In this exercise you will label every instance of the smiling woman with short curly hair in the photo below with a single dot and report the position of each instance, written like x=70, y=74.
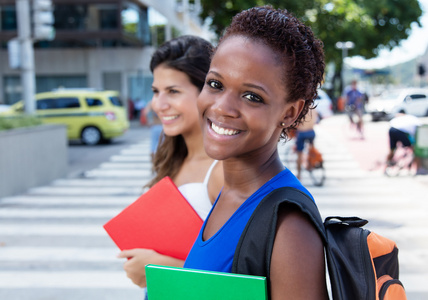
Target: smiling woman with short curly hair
x=263, y=79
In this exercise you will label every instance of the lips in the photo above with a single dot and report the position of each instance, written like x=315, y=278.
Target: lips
x=224, y=131
x=169, y=118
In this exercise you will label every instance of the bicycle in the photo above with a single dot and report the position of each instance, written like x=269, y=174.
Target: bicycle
x=311, y=161
x=402, y=163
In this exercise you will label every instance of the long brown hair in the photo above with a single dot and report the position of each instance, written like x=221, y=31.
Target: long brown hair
x=190, y=55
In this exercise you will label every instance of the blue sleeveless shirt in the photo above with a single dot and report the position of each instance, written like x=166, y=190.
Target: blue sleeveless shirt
x=216, y=253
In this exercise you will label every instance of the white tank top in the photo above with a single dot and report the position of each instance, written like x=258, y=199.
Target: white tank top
x=197, y=195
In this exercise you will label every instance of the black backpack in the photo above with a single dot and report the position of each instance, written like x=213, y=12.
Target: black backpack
x=361, y=264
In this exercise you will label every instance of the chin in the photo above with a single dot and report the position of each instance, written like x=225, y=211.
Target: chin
x=215, y=153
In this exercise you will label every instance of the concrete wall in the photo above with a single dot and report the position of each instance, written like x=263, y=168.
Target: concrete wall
x=31, y=157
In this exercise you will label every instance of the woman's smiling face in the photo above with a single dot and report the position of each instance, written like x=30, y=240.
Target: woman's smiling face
x=174, y=101
x=243, y=101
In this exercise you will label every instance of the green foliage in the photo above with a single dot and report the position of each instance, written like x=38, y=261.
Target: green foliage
x=18, y=121
x=159, y=36
x=371, y=25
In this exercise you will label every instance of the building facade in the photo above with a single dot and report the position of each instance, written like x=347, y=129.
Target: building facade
x=103, y=44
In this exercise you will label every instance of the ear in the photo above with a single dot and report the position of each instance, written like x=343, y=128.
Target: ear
x=292, y=111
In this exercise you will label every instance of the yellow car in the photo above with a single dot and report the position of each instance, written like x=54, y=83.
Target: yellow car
x=90, y=115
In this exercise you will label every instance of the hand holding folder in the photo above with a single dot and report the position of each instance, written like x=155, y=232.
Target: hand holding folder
x=161, y=219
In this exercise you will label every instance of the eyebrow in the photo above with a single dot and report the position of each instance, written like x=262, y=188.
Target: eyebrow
x=251, y=85
x=168, y=87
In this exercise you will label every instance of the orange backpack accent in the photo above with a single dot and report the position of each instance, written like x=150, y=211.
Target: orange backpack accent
x=384, y=254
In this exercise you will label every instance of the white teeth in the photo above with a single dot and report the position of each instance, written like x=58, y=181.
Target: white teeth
x=223, y=131
x=169, y=118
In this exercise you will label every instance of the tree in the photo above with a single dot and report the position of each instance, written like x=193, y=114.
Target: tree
x=371, y=25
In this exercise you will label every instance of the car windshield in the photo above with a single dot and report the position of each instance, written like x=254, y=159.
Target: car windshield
x=115, y=101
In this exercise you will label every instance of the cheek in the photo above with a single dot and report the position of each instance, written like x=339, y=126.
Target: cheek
x=202, y=101
x=155, y=105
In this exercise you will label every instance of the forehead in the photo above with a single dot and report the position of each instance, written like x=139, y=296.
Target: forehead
x=165, y=74
x=242, y=46
x=249, y=60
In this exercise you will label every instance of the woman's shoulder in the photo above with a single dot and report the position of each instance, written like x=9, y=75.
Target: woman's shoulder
x=297, y=244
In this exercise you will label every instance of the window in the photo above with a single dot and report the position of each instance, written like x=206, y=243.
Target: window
x=8, y=18
x=67, y=103
x=108, y=15
x=46, y=104
x=418, y=97
x=58, y=103
x=93, y=102
x=116, y=101
x=135, y=22
x=70, y=17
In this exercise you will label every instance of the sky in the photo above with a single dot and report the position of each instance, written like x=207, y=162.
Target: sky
x=415, y=45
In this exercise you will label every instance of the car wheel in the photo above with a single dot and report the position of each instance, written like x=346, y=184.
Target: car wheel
x=91, y=135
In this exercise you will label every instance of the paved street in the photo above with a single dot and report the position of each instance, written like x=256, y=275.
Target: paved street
x=53, y=246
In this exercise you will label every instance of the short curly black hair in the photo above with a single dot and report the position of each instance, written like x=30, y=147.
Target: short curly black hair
x=299, y=50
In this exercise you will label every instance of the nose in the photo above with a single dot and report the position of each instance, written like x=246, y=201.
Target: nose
x=160, y=102
x=226, y=105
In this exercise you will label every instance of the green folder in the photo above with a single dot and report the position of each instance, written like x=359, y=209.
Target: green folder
x=166, y=283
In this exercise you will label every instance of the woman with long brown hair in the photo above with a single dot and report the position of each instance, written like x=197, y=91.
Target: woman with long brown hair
x=179, y=68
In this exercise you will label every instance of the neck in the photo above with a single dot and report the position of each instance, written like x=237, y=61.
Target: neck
x=195, y=146
x=245, y=176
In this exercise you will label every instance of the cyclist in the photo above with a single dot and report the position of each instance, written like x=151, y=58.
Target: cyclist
x=402, y=130
x=354, y=106
x=305, y=133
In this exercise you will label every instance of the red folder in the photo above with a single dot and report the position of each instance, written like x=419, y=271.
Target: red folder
x=161, y=219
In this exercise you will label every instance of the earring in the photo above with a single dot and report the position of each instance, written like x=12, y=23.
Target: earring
x=282, y=124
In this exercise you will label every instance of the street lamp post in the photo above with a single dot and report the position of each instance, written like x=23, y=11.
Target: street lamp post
x=27, y=55
x=344, y=46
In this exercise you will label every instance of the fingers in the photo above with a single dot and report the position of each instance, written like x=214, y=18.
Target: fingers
x=126, y=254
x=131, y=253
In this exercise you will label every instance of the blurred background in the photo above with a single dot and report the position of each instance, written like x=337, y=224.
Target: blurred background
x=75, y=146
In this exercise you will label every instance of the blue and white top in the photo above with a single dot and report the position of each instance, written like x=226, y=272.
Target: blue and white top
x=216, y=253
x=196, y=193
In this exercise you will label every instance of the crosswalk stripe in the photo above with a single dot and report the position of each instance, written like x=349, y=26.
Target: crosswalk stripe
x=59, y=213
x=127, y=166
x=49, y=254
x=51, y=229
x=97, y=182
x=34, y=200
x=121, y=158
x=100, y=173
x=86, y=190
x=73, y=279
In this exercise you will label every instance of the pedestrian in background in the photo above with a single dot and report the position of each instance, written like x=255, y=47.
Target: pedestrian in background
x=263, y=80
x=179, y=68
x=155, y=126
x=354, y=106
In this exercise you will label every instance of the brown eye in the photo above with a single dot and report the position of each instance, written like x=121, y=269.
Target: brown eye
x=253, y=98
x=214, y=84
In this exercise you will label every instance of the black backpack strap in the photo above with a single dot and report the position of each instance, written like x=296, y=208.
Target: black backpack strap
x=257, y=239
